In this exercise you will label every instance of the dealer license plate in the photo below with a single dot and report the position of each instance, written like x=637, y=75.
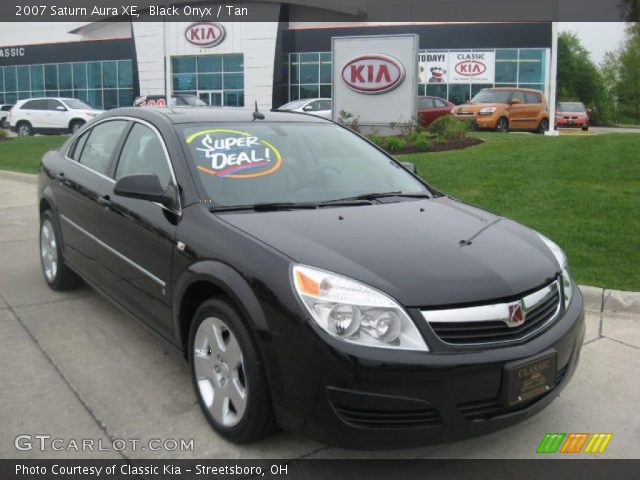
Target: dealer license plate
x=527, y=379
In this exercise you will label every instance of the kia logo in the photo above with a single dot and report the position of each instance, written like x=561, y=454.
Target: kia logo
x=373, y=73
x=204, y=34
x=470, y=68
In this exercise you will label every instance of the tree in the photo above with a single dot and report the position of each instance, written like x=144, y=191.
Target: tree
x=630, y=10
x=580, y=80
x=628, y=88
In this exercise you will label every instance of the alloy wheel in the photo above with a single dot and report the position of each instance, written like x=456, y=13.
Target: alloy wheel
x=502, y=125
x=219, y=370
x=24, y=130
x=48, y=250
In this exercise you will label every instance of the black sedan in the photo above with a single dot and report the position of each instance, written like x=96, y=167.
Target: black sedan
x=312, y=281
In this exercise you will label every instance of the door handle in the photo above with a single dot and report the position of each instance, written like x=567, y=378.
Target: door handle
x=105, y=201
x=60, y=177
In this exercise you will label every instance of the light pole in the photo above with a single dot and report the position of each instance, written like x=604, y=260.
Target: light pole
x=553, y=75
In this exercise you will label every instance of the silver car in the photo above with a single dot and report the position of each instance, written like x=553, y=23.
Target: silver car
x=315, y=106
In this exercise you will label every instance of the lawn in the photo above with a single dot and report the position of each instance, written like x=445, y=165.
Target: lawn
x=581, y=191
x=24, y=154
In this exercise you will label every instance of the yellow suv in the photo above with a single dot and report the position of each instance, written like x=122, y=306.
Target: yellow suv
x=504, y=109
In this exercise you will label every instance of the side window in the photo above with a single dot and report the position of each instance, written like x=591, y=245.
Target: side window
x=325, y=105
x=425, y=102
x=439, y=103
x=98, y=148
x=532, y=97
x=518, y=95
x=76, y=150
x=143, y=153
x=35, y=105
x=54, y=104
x=313, y=106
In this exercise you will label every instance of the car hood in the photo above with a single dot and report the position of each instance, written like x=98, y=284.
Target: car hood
x=431, y=252
x=571, y=114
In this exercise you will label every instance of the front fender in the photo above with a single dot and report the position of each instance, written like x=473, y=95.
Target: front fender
x=227, y=280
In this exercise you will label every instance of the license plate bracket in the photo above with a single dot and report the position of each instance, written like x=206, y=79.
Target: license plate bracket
x=527, y=379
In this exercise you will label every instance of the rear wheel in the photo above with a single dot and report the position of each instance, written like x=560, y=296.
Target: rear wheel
x=544, y=125
x=502, y=125
x=24, y=129
x=75, y=126
x=227, y=374
x=56, y=273
x=584, y=129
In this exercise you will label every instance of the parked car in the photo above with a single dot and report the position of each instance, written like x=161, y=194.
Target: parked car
x=50, y=115
x=177, y=100
x=430, y=108
x=320, y=107
x=309, y=278
x=4, y=113
x=572, y=114
x=504, y=109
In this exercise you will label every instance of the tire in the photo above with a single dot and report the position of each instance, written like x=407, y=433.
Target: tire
x=24, y=129
x=502, y=125
x=544, y=125
x=75, y=125
x=225, y=364
x=585, y=129
x=56, y=273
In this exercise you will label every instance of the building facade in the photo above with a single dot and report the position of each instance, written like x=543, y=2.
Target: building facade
x=108, y=64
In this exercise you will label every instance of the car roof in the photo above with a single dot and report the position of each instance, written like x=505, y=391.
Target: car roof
x=514, y=89
x=201, y=114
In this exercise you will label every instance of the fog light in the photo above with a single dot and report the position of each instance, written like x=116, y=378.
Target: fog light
x=344, y=320
x=385, y=326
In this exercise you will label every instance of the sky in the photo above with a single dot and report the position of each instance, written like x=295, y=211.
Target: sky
x=597, y=38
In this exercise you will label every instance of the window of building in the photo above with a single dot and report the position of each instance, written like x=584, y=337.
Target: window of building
x=309, y=75
x=107, y=84
x=216, y=79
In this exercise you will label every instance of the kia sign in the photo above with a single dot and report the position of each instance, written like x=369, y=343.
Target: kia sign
x=375, y=80
x=472, y=67
x=371, y=74
x=204, y=34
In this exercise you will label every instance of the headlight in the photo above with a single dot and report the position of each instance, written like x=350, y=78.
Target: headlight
x=561, y=258
x=355, y=312
x=487, y=110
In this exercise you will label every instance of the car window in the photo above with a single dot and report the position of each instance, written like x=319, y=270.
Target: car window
x=35, y=105
x=76, y=150
x=324, y=105
x=54, y=104
x=313, y=106
x=518, y=96
x=439, y=103
x=532, y=97
x=100, y=144
x=6, y=108
x=143, y=153
x=425, y=103
x=249, y=163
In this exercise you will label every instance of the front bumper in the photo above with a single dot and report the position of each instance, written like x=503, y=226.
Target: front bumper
x=365, y=398
x=575, y=123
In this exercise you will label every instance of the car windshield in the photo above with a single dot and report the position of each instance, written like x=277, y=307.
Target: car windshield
x=298, y=163
x=76, y=104
x=492, y=96
x=571, y=107
x=190, y=100
x=293, y=105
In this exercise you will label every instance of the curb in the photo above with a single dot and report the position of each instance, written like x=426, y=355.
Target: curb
x=19, y=177
x=611, y=302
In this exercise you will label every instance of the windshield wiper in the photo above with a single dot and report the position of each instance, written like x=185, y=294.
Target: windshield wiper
x=375, y=196
x=264, y=207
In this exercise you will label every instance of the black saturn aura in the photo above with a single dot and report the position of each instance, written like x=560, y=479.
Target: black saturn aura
x=312, y=281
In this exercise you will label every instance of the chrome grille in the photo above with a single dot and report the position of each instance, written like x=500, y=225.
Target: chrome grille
x=491, y=324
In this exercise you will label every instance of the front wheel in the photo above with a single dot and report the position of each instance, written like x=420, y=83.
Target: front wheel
x=585, y=129
x=75, y=126
x=24, y=129
x=502, y=125
x=56, y=273
x=227, y=374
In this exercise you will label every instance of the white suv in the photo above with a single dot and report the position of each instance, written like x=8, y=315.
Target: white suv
x=49, y=115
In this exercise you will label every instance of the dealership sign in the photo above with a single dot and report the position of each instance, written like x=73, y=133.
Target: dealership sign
x=204, y=34
x=374, y=73
x=457, y=67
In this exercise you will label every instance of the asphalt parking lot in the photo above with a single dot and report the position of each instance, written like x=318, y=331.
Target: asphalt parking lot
x=74, y=367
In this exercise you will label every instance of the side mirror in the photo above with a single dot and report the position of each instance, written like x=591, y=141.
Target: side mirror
x=142, y=187
x=307, y=108
x=409, y=166
x=60, y=108
x=589, y=111
x=515, y=101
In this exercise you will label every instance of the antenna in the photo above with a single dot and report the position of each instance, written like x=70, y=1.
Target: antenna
x=256, y=114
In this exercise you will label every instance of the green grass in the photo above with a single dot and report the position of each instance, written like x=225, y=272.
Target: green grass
x=581, y=191
x=24, y=154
